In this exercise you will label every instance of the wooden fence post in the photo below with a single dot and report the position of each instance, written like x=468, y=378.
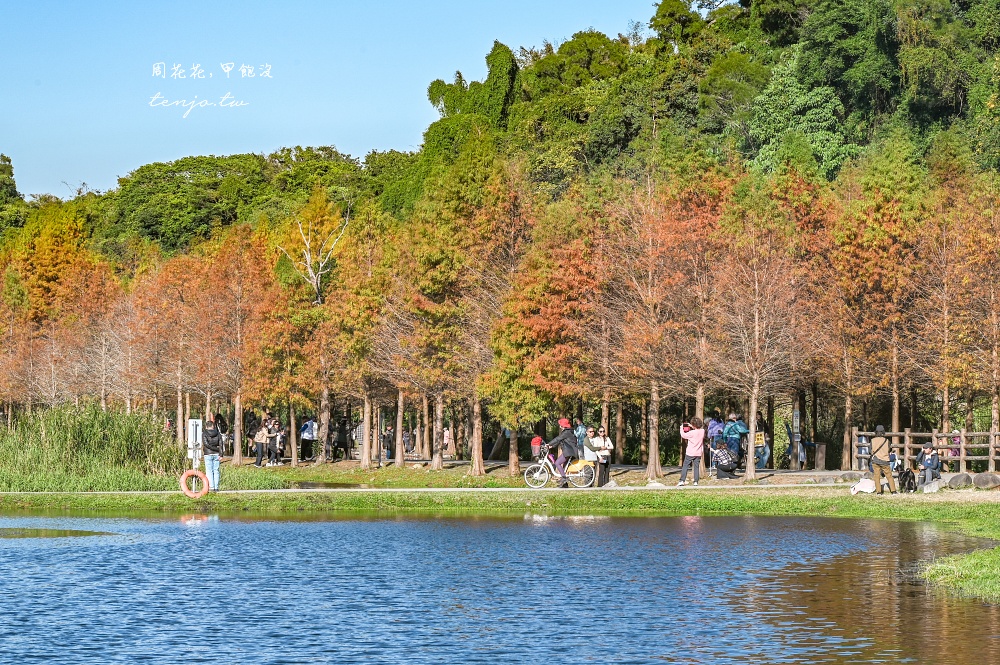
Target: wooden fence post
x=906, y=447
x=993, y=451
x=934, y=442
x=855, y=463
x=961, y=452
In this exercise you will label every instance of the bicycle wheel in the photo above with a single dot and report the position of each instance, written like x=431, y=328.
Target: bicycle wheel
x=584, y=477
x=536, y=476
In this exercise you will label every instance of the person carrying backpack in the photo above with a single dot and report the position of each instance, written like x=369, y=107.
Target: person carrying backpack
x=308, y=435
x=881, y=464
x=733, y=435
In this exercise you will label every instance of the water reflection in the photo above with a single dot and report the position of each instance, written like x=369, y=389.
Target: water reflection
x=48, y=533
x=874, y=601
x=576, y=589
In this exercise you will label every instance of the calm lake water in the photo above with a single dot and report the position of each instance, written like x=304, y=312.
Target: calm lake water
x=458, y=590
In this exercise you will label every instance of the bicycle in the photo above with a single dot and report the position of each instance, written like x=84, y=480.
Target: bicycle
x=579, y=473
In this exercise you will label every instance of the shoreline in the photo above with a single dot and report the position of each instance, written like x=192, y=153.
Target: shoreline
x=974, y=574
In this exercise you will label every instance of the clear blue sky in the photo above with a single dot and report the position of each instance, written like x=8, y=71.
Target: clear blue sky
x=78, y=78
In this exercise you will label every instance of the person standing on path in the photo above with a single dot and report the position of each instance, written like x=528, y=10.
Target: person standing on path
x=880, y=461
x=590, y=451
x=580, y=430
x=604, y=447
x=260, y=442
x=694, y=434
x=308, y=434
x=273, y=428
x=211, y=444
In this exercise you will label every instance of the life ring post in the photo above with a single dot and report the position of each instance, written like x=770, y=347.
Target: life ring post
x=186, y=488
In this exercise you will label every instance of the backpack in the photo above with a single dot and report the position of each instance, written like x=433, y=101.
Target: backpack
x=907, y=481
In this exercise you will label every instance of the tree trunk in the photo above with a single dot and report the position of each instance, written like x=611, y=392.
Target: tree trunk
x=770, y=431
x=437, y=460
x=366, y=434
x=496, y=454
x=376, y=433
x=653, y=468
x=293, y=434
x=913, y=408
x=847, y=456
x=418, y=433
x=238, y=429
x=894, y=388
x=428, y=444
x=324, y=423
x=620, y=433
x=180, y=417
x=699, y=412
x=945, y=410
x=399, y=457
x=477, y=468
x=813, y=424
x=513, y=460
x=606, y=412
x=187, y=408
x=644, y=434
x=751, y=469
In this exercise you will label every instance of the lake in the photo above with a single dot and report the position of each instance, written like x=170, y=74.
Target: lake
x=206, y=589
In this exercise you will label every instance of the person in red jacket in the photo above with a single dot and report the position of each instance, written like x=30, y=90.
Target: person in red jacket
x=565, y=443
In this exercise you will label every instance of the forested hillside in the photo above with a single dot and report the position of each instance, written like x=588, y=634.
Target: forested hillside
x=734, y=206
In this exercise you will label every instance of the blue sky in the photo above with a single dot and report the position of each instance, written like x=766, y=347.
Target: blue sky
x=77, y=81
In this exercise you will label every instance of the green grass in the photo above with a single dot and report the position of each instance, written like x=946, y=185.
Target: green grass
x=976, y=574
x=87, y=449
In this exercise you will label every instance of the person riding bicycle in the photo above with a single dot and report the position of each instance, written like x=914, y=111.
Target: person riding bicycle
x=565, y=442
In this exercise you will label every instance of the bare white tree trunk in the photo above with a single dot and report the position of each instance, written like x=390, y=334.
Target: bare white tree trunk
x=477, y=468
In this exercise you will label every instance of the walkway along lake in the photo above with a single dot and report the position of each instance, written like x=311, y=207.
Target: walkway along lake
x=484, y=590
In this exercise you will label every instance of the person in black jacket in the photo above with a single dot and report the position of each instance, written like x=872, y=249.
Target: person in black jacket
x=565, y=442
x=211, y=444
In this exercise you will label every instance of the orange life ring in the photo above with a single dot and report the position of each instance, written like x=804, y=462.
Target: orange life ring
x=188, y=492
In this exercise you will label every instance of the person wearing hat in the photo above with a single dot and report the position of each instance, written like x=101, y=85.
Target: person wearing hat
x=565, y=443
x=733, y=434
x=928, y=465
x=881, y=466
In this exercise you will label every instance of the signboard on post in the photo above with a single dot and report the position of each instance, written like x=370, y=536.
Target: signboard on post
x=194, y=430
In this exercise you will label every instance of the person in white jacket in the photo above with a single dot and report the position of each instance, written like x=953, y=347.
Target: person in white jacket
x=602, y=446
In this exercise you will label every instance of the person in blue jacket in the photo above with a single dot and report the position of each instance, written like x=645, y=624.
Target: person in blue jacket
x=733, y=434
x=928, y=465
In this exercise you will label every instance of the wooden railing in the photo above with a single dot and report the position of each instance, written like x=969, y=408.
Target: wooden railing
x=972, y=446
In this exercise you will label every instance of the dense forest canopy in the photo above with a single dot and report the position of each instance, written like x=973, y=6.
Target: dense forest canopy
x=595, y=220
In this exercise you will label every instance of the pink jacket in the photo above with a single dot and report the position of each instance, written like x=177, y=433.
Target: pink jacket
x=695, y=439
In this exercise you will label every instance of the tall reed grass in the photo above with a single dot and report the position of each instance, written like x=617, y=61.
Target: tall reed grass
x=86, y=449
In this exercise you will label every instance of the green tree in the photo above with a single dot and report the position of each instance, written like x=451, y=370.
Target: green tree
x=852, y=47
